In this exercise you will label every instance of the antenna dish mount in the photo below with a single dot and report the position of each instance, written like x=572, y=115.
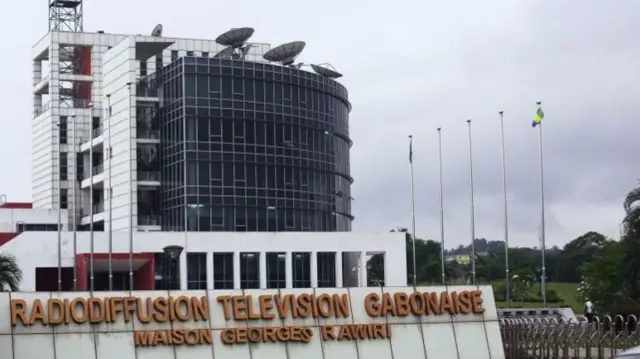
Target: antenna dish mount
x=286, y=53
x=157, y=31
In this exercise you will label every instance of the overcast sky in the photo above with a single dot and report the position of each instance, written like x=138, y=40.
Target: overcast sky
x=411, y=66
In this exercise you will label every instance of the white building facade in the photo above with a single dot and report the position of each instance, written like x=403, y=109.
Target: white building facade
x=214, y=260
x=77, y=77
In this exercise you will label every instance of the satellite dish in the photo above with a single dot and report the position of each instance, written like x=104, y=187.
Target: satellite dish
x=285, y=53
x=326, y=70
x=235, y=37
x=157, y=31
x=224, y=54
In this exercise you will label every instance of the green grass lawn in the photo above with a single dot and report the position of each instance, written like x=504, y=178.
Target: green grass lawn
x=566, y=291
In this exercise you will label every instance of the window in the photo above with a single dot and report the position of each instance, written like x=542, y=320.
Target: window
x=36, y=227
x=158, y=62
x=64, y=198
x=276, y=270
x=64, y=174
x=196, y=271
x=223, y=271
x=205, y=54
x=189, y=53
x=249, y=270
x=326, y=269
x=63, y=130
x=143, y=68
x=174, y=55
x=301, y=270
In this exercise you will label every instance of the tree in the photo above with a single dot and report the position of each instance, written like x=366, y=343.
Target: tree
x=577, y=253
x=10, y=273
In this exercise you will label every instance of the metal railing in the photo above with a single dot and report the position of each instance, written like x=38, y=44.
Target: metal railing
x=145, y=133
x=96, y=132
x=148, y=176
x=148, y=220
x=98, y=169
x=550, y=338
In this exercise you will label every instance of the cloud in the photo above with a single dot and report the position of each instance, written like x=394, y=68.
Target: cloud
x=411, y=66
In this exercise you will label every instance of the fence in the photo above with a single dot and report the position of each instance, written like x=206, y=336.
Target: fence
x=550, y=338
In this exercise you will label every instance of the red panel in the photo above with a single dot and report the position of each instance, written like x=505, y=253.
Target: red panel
x=144, y=277
x=6, y=237
x=17, y=205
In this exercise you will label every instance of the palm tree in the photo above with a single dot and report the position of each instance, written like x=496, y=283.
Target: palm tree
x=10, y=273
x=630, y=242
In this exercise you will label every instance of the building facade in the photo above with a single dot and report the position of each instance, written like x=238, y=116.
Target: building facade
x=218, y=260
x=98, y=152
x=248, y=146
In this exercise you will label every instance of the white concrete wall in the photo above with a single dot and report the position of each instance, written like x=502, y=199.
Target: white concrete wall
x=119, y=69
x=40, y=249
x=10, y=217
x=414, y=336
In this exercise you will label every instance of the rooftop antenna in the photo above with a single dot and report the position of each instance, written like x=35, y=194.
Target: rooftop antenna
x=286, y=53
x=157, y=31
x=65, y=15
x=235, y=42
x=326, y=70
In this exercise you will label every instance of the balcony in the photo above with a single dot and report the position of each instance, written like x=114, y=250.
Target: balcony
x=150, y=176
x=96, y=132
x=146, y=133
x=148, y=220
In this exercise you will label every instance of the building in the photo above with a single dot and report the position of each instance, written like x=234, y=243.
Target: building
x=18, y=217
x=247, y=146
x=206, y=260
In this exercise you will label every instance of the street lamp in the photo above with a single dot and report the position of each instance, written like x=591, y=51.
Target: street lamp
x=173, y=252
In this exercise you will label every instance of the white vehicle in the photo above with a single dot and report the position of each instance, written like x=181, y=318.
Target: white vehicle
x=633, y=353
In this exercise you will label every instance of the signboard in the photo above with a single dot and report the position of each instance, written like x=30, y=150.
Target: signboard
x=256, y=317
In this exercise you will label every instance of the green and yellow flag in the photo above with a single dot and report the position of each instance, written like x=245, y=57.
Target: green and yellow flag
x=537, y=118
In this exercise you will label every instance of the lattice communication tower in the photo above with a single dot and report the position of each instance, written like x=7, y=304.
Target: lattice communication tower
x=65, y=15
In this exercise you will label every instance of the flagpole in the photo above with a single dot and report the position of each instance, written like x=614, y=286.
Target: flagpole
x=130, y=190
x=473, y=212
x=442, y=268
x=91, y=202
x=110, y=219
x=59, y=189
x=506, y=218
x=75, y=201
x=542, y=225
x=413, y=210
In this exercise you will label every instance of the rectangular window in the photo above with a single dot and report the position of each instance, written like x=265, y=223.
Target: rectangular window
x=64, y=173
x=189, y=53
x=326, y=269
x=301, y=270
x=143, y=68
x=174, y=55
x=205, y=54
x=158, y=62
x=196, y=270
x=36, y=227
x=223, y=271
x=64, y=198
x=63, y=130
x=276, y=270
x=249, y=270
